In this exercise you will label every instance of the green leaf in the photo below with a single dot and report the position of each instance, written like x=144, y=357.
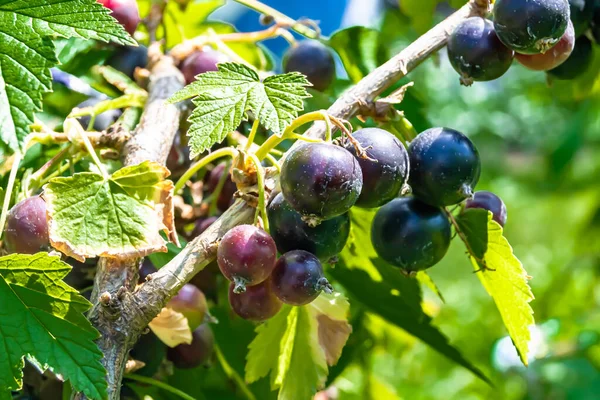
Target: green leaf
x=27, y=53
x=383, y=290
x=297, y=345
x=358, y=47
x=223, y=97
x=43, y=317
x=501, y=273
x=122, y=215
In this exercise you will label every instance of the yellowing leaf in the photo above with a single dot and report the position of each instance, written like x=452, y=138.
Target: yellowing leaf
x=501, y=273
x=119, y=216
x=171, y=327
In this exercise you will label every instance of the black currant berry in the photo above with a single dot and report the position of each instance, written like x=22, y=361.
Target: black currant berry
x=312, y=59
x=200, y=62
x=582, y=12
x=553, y=57
x=320, y=181
x=258, y=303
x=126, y=12
x=530, y=26
x=102, y=121
x=246, y=256
x=577, y=63
x=410, y=234
x=385, y=171
x=476, y=53
x=26, y=227
x=489, y=201
x=186, y=356
x=444, y=166
x=127, y=58
x=288, y=230
x=190, y=302
x=298, y=278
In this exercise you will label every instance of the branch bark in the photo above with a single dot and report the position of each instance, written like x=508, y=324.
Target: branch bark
x=119, y=312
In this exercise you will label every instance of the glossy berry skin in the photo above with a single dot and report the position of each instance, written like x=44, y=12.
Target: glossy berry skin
x=489, y=201
x=410, y=234
x=227, y=191
x=103, y=121
x=200, y=62
x=258, y=303
x=298, y=278
x=314, y=60
x=127, y=58
x=553, y=57
x=288, y=230
x=320, y=180
x=577, y=63
x=246, y=256
x=126, y=12
x=190, y=301
x=186, y=356
x=26, y=227
x=444, y=166
x=582, y=12
x=476, y=53
x=385, y=171
x=530, y=26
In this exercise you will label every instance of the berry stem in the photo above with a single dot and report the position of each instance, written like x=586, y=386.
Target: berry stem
x=462, y=236
x=203, y=162
x=274, y=162
x=9, y=189
x=160, y=385
x=252, y=134
x=72, y=125
x=261, y=207
x=217, y=192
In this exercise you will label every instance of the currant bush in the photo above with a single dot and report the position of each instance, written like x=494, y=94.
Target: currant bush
x=258, y=303
x=410, y=234
x=320, y=181
x=298, y=278
x=200, y=62
x=246, y=256
x=553, y=57
x=476, y=53
x=126, y=12
x=26, y=227
x=102, y=121
x=190, y=302
x=195, y=354
x=444, y=166
x=312, y=59
x=384, y=170
x=489, y=201
x=288, y=230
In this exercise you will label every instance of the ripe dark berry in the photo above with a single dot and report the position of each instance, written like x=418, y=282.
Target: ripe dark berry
x=227, y=191
x=190, y=301
x=476, y=53
x=246, y=256
x=530, y=26
x=553, y=57
x=385, y=171
x=185, y=356
x=298, y=278
x=126, y=12
x=410, y=234
x=582, y=12
x=320, y=181
x=200, y=62
x=127, y=58
x=312, y=59
x=201, y=225
x=102, y=121
x=258, y=303
x=489, y=201
x=26, y=227
x=577, y=63
x=288, y=230
x=444, y=166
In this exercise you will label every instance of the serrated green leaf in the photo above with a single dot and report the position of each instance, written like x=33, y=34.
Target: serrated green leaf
x=383, y=290
x=43, y=317
x=223, y=97
x=307, y=338
x=357, y=47
x=121, y=215
x=501, y=273
x=27, y=53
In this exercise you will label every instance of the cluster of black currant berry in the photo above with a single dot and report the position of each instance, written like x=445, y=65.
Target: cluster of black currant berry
x=543, y=35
